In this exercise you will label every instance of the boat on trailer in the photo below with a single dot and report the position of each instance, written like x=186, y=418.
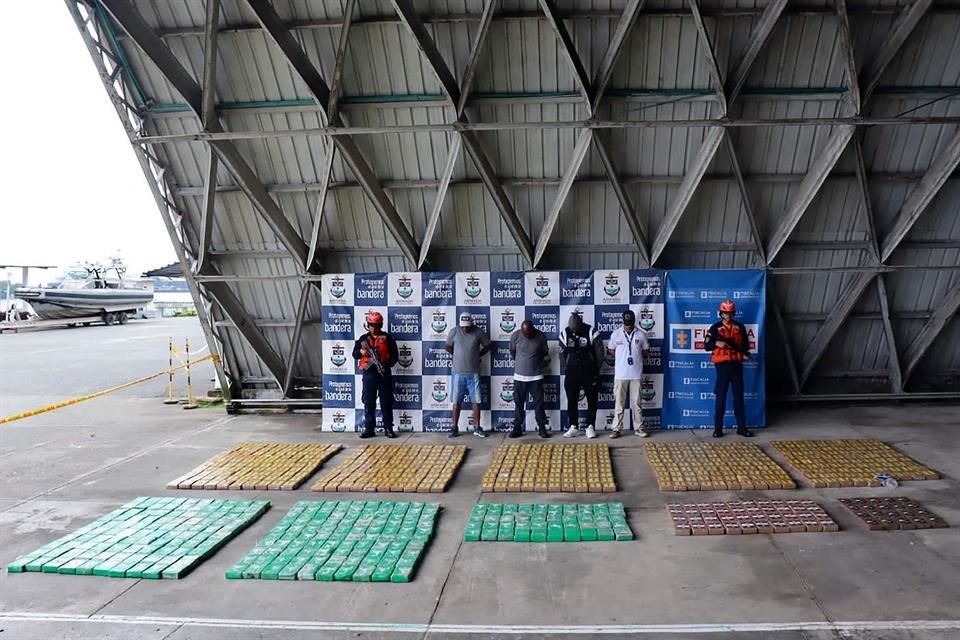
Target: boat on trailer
x=86, y=294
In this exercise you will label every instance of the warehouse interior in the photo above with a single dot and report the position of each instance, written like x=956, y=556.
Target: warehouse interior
x=818, y=141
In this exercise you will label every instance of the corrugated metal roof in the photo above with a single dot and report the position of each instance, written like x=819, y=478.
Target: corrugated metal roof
x=524, y=80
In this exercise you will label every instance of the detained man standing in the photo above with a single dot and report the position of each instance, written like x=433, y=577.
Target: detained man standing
x=628, y=345
x=581, y=353
x=376, y=351
x=468, y=344
x=528, y=346
x=729, y=346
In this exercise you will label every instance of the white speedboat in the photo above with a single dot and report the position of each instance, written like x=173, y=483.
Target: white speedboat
x=85, y=292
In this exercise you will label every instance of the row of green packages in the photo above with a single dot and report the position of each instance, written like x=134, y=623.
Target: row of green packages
x=361, y=541
x=548, y=523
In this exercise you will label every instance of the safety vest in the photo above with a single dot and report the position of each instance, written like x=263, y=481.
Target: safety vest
x=379, y=343
x=731, y=334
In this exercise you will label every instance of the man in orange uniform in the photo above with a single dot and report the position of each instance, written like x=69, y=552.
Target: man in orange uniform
x=729, y=345
x=376, y=352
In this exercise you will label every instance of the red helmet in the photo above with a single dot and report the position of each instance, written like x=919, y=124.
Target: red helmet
x=375, y=317
x=727, y=306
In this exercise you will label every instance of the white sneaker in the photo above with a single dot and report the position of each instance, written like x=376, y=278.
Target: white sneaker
x=641, y=433
x=591, y=432
x=572, y=432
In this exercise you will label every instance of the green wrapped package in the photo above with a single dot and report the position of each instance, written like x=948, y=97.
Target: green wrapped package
x=147, y=538
x=357, y=541
x=548, y=523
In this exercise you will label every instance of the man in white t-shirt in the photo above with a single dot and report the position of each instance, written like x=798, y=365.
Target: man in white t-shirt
x=628, y=344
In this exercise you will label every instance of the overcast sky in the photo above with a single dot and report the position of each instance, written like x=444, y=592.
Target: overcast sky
x=72, y=188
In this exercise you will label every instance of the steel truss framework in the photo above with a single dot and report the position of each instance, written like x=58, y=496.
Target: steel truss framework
x=222, y=309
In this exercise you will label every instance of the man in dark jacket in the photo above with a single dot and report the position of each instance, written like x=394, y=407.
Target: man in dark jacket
x=581, y=353
x=729, y=345
x=376, y=352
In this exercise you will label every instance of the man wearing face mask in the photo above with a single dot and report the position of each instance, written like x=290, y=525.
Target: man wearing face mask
x=729, y=346
x=531, y=356
x=581, y=353
x=628, y=345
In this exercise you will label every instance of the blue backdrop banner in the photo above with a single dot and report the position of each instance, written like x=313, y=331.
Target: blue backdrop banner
x=421, y=308
x=692, y=302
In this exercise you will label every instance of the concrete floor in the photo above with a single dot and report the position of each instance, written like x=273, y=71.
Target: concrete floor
x=61, y=470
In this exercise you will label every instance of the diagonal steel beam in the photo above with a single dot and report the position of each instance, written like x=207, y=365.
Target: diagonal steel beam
x=718, y=87
x=352, y=156
x=325, y=176
x=938, y=320
x=711, y=143
x=849, y=60
x=141, y=152
x=835, y=319
x=471, y=142
x=893, y=357
x=428, y=48
x=563, y=190
x=233, y=309
x=716, y=79
x=809, y=188
x=206, y=216
x=297, y=333
x=617, y=41
x=784, y=337
x=745, y=197
x=208, y=84
x=902, y=27
x=336, y=81
x=495, y=188
x=629, y=212
x=569, y=49
x=861, y=175
x=919, y=199
x=486, y=19
x=157, y=51
x=452, y=156
x=209, y=117
x=593, y=98
x=760, y=35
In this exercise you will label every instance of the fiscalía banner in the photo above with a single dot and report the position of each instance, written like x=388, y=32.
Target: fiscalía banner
x=693, y=299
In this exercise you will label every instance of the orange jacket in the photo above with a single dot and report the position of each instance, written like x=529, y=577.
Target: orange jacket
x=386, y=348
x=735, y=335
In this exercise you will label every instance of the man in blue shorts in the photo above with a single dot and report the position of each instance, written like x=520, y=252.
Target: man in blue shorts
x=468, y=344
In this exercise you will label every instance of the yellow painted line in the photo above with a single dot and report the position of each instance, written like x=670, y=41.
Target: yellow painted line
x=73, y=401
